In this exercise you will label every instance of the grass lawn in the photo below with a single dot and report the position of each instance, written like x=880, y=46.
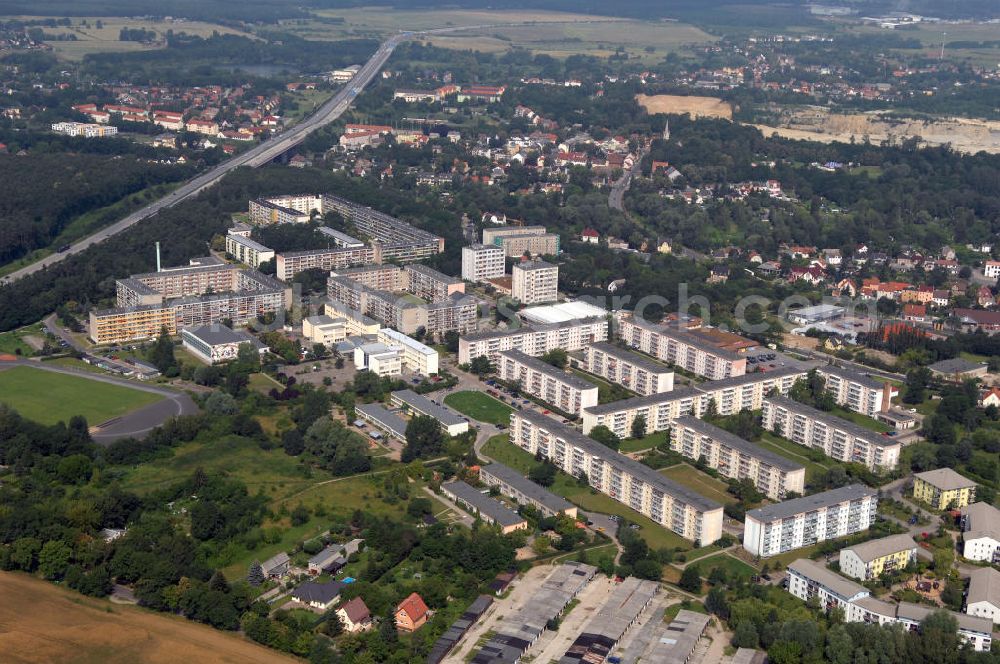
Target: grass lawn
x=699, y=482
x=792, y=452
x=480, y=407
x=13, y=342
x=861, y=420
x=606, y=392
x=644, y=443
x=263, y=383
x=49, y=397
x=733, y=566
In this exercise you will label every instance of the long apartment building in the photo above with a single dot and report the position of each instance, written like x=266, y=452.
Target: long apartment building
x=394, y=238
x=631, y=483
x=808, y=579
x=801, y=522
x=290, y=263
x=747, y=392
x=482, y=261
x=534, y=340
x=856, y=391
x=658, y=410
x=284, y=209
x=247, y=251
x=836, y=437
x=518, y=240
x=566, y=391
x=735, y=458
x=630, y=370
x=680, y=348
x=515, y=485
x=431, y=285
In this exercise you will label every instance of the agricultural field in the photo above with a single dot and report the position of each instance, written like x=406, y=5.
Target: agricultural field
x=480, y=407
x=49, y=397
x=699, y=482
x=45, y=623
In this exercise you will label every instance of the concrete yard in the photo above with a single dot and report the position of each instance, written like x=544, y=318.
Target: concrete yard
x=553, y=645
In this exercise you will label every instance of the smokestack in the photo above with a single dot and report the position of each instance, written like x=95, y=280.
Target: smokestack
x=157, y=256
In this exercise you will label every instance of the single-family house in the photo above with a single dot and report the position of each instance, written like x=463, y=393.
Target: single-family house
x=319, y=596
x=276, y=566
x=411, y=614
x=354, y=615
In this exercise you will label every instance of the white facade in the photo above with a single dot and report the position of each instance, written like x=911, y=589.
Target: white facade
x=628, y=369
x=324, y=329
x=855, y=391
x=747, y=392
x=992, y=269
x=482, y=261
x=84, y=129
x=805, y=521
x=247, y=251
x=681, y=348
x=983, y=598
x=533, y=340
x=659, y=411
x=981, y=532
x=535, y=282
x=380, y=359
x=567, y=392
x=417, y=357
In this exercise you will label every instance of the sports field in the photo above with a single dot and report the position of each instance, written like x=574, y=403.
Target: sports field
x=699, y=482
x=48, y=397
x=480, y=407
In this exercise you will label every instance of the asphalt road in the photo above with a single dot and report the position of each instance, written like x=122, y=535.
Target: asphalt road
x=257, y=156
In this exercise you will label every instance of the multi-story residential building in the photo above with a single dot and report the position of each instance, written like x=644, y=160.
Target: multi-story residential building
x=264, y=211
x=872, y=559
x=808, y=578
x=515, y=485
x=84, y=129
x=747, y=392
x=800, y=522
x=735, y=458
x=290, y=263
x=202, y=275
x=680, y=348
x=380, y=359
x=533, y=340
x=247, y=251
x=981, y=532
x=535, y=282
x=658, y=410
x=983, y=597
x=338, y=239
x=856, y=391
x=131, y=323
x=392, y=238
x=836, y=437
x=631, y=370
x=482, y=261
x=631, y=483
x=324, y=329
x=429, y=284
x=943, y=489
x=518, y=240
x=390, y=278
x=566, y=391
x=417, y=357
x=451, y=423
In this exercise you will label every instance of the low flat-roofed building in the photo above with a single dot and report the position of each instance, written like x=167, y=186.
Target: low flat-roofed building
x=385, y=420
x=565, y=391
x=983, y=597
x=562, y=312
x=605, y=628
x=324, y=329
x=804, y=521
x=958, y=369
x=676, y=642
x=631, y=370
x=515, y=485
x=380, y=359
x=943, y=489
x=340, y=239
x=981, y=532
x=815, y=314
x=871, y=559
x=736, y=458
x=217, y=343
x=486, y=508
x=417, y=357
x=451, y=422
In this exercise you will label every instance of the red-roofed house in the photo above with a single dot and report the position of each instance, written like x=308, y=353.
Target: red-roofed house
x=590, y=235
x=990, y=397
x=915, y=312
x=411, y=614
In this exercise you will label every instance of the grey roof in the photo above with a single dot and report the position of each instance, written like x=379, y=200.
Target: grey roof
x=851, y=375
x=817, y=501
x=685, y=337
x=981, y=519
x=833, y=421
x=945, y=479
x=677, y=640
x=631, y=357
x=247, y=242
x=326, y=556
x=735, y=442
x=347, y=312
x=323, y=319
x=342, y=237
x=547, y=369
x=877, y=606
x=955, y=365
x=422, y=404
x=917, y=612
x=627, y=464
x=749, y=378
x=872, y=549
x=521, y=483
x=984, y=586
x=483, y=504
x=543, y=327
x=830, y=580
x=218, y=334
x=311, y=591
x=276, y=560
x=641, y=401
x=749, y=656
x=529, y=266
x=383, y=418
x=430, y=272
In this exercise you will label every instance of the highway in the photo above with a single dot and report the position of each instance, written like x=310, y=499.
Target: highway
x=257, y=156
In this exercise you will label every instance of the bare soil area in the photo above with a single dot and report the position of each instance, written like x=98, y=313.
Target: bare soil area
x=696, y=107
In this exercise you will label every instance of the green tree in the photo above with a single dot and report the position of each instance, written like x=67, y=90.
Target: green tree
x=255, y=574
x=639, y=426
x=333, y=625
x=481, y=366
x=745, y=635
x=424, y=438
x=543, y=473
x=161, y=353
x=605, y=436
x=24, y=553
x=557, y=357
x=53, y=559
x=690, y=579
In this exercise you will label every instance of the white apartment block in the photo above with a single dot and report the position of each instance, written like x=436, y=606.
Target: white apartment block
x=519, y=240
x=247, y=251
x=430, y=284
x=855, y=391
x=808, y=578
x=640, y=374
x=983, y=598
x=836, y=437
x=84, y=129
x=417, y=357
x=639, y=487
x=533, y=340
x=265, y=211
x=290, y=263
x=992, y=269
x=981, y=532
x=659, y=411
x=680, y=348
x=380, y=359
x=801, y=522
x=357, y=323
x=735, y=458
x=566, y=391
x=747, y=392
x=324, y=330
x=482, y=261
x=535, y=282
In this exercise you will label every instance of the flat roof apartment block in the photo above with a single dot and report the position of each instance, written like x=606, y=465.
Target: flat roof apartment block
x=534, y=340
x=518, y=240
x=747, y=392
x=514, y=485
x=565, y=391
x=290, y=263
x=736, y=458
x=680, y=348
x=636, y=372
x=801, y=522
x=659, y=411
x=535, y=282
x=385, y=420
x=631, y=483
x=482, y=261
x=856, y=391
x=247, y=251
x=836, y=437
x=486, y=508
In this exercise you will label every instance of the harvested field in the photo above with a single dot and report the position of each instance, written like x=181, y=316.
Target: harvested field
x=41, y=622
x=696, y=107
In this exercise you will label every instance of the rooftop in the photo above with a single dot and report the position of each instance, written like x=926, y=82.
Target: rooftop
x=483, y=504
x=643, y=401
x=383, y=418
x=829, y=579
x=981, y=520
x=547, y=369
x=422, y=404
x=956, y=365
x=214, y=335
x=833, y=421
x=817, y=501
x=534, y=491
x=851, y=375
x=749, y=378
x=885, y=546
x=311, y=591
x=529, y=266
x=945, y=479
x=984, y=586
x=564, y=311
x=735, y=442
x=678, y=639
x=633, y=358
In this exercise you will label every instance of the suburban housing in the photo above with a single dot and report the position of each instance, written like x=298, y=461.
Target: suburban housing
x=871, y=559
x=943, y=489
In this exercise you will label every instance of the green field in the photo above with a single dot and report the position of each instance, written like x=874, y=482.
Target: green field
x=479, y=406
x=699, y=482
x=793, y=452
x=49, y=397
x=861, y=420
x=733, y=566
x=14, y=342
x=646, y=442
